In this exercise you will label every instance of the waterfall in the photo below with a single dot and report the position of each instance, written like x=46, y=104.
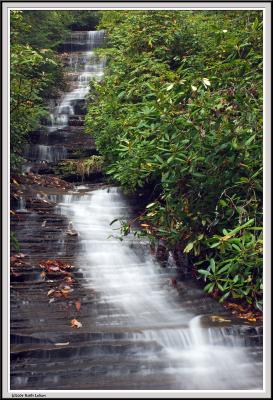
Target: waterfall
x=84, y=66
x=22, y=204
x=40, y=152
x=135, y=293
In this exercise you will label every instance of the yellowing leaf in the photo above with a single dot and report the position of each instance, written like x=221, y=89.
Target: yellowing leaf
x=224, y=238
x=206, y=82
x=215, y=318
x=189, y=247
x=170, y=86
x=194, y=88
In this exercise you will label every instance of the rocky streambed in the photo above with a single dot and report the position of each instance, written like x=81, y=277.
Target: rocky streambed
x=104, y=312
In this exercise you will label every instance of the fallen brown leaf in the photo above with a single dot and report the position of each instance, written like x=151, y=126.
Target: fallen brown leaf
x=58, y=293
x=54, y=269
x=75, y=323
x=50, y=292
x=68, y=278
x=78, y=305
x=236, y=307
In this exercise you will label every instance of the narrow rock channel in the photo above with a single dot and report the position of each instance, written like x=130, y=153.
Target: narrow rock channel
x=135, y=330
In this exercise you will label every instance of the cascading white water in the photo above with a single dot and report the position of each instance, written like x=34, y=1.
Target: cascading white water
x=41, y=152
x=22, y=204
x=85, y=66
x=138, y=294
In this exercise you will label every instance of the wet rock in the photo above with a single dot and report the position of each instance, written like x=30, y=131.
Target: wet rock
x=75, y=120
x=182, y=262
x=45, y=170
x=161, y=252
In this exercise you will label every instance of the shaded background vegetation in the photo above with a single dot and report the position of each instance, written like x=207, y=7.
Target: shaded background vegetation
x=180, y=112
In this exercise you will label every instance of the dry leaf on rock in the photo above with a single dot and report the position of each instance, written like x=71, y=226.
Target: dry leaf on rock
x=75, y=323
x=68, y=278
x=53, y=269
x=78, y=305
x=58, y=293
x=235, y=306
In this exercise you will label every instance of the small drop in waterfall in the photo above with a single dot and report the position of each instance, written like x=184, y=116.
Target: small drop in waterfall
x=138, y=331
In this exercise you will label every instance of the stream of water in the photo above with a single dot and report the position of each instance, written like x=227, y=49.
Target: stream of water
x=134, y=291
x=84, y=65
x=135, y=288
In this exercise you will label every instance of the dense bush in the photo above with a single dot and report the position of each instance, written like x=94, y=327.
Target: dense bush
x=180, y=109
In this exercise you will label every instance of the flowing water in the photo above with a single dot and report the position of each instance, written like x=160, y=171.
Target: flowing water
x=135, y=289
x=138, y=331
x=84, y=66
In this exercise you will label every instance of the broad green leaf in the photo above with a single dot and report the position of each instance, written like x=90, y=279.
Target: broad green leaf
x=212, y=265
x=204, y=272
x=189, y=247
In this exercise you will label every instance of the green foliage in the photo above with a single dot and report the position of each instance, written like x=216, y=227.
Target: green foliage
x=35, y=74
x=91, y=165
x=237, y=267
x=48, y=29
x=83, y=167
x=180, y=109
x=83, y=20
x=14, y=244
